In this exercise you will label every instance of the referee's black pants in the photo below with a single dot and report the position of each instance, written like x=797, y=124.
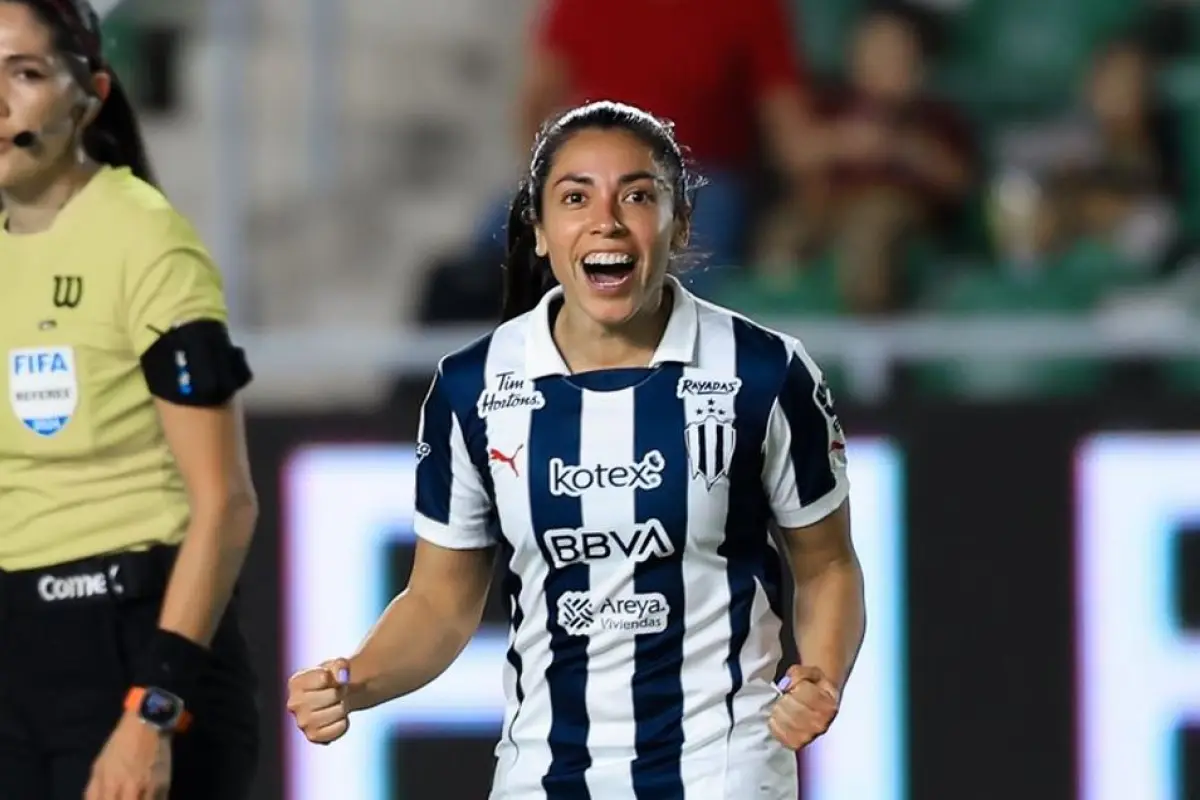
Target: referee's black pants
x=69, y=637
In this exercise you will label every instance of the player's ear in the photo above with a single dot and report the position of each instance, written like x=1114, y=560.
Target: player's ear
x=101, y=88
x=540, y=246
x=681, y=235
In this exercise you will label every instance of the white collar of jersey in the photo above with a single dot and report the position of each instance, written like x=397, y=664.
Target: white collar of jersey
x=678, y=345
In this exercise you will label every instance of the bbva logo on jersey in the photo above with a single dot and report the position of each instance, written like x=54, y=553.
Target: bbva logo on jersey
x=640, y=543
x=43, y=387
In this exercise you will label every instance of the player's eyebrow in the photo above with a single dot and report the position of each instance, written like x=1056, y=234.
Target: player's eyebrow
x=627, y=178
x=18, y=57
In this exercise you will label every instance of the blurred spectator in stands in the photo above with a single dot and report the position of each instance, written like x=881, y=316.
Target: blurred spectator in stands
x=890, y=162
x=1106, y=173
x=724, y=72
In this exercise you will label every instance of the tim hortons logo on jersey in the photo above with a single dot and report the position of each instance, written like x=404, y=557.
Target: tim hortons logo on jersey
x=707, y=387
x=642, y=542
x=43, y=387
x=580, y=614
x=507, y=393
x=573, y=481
x=710, y=441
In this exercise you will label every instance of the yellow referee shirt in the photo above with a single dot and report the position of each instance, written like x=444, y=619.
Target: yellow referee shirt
x=84, y=466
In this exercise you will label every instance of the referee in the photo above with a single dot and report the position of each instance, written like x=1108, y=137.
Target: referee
x=126, y=506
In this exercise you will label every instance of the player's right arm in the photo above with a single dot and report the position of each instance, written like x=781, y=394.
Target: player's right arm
x=426, y=627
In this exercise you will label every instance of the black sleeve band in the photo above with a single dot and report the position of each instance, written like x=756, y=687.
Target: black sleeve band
x=196, y=364
x=171, y=662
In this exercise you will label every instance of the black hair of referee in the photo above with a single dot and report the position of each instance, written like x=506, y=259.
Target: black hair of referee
x=528, y=276
x=114, y=137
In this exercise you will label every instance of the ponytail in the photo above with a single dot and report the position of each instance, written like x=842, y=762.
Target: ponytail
x=527, y=276
x=115, y=137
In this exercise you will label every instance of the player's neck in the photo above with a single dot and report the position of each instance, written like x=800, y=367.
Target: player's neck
x=587, y=345
x=32, y=207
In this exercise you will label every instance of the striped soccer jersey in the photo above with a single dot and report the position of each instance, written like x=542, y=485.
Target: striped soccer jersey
x=634, y=508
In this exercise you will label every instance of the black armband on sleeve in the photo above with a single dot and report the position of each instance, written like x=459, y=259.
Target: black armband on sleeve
x=196, y=364
x=171, y=662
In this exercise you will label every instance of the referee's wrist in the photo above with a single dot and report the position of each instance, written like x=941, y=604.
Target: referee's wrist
x=173, y=663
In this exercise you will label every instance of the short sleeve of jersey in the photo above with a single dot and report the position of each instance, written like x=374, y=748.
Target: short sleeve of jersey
x=170, y=280
x=804, y=469
x=452, y=507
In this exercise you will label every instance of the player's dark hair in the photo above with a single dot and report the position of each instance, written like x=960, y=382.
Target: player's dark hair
x=114, y=137
x=527, y=276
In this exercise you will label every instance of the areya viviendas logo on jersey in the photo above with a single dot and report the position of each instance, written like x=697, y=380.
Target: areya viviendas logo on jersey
x=574, y=480
x=509, y=392
x=43, y=387
x=643, y=541
x=582, y=614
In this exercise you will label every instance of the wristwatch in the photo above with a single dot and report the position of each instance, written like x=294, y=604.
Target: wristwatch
x=158, y=708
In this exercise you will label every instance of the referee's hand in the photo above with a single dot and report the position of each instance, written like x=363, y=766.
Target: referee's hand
x=806, y=708
x=317, y=701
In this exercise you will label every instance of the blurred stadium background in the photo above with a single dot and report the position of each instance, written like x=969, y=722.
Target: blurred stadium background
x=1021, y=363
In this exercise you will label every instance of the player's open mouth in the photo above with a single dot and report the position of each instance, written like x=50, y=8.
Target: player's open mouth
x=609, y=271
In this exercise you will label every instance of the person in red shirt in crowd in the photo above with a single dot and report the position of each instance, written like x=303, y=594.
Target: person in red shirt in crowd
x=890, y=161
x=724, y=72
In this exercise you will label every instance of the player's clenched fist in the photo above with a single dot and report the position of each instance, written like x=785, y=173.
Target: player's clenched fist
x=317, y=701
x=806, y=708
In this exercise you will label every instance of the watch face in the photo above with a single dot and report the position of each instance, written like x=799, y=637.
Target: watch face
x=161, y=709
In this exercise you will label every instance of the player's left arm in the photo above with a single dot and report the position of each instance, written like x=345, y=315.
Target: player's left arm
x=176, y=318
x=805, y=478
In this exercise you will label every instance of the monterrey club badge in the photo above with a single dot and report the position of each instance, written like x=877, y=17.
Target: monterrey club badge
x=43, y=388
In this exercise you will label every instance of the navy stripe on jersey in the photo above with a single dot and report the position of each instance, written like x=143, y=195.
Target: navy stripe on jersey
x=463, y=386
x=760, y=362
x=435, y=473
x=659, y=421
x=554, y=433
x=810, y=434
x=511, y=587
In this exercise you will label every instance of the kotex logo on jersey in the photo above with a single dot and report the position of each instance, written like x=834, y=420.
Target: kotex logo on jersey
x=508, y=392
x=639, y=543
x=580, y=614
x=43, y=387
x=574, y=481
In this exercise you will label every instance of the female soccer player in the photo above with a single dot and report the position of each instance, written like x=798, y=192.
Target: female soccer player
x=630, y=447
x=126, y=506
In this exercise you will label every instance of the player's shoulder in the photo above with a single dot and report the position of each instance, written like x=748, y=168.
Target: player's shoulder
x=124, y=201
x=758, y=347
x=465, y=372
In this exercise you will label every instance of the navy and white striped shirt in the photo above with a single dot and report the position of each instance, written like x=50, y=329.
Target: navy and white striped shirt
x=634, y=508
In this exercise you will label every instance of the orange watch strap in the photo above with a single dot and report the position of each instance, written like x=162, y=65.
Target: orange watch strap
x=133, y=702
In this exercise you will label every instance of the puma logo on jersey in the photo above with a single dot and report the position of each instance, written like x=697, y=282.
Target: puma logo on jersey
x=498, y=457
